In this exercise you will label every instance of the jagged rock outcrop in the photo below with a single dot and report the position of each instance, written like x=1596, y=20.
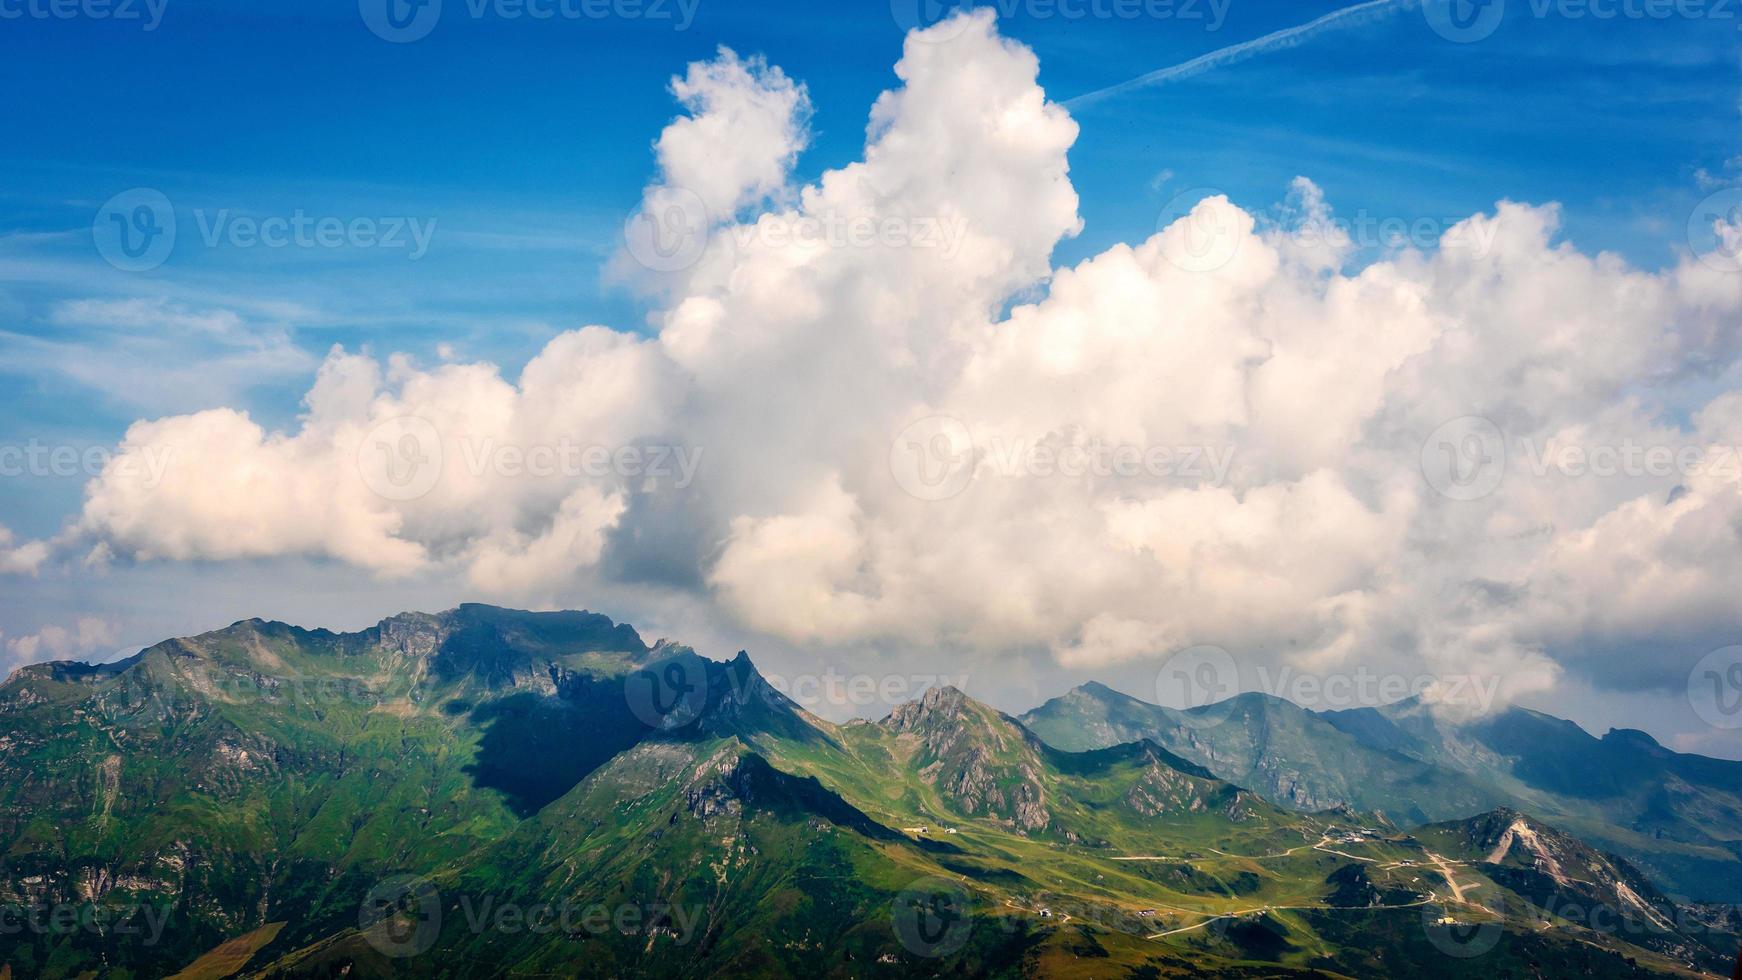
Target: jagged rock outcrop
x=981, y=760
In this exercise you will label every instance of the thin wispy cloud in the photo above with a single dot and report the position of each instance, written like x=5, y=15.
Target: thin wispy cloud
x=1287, y=37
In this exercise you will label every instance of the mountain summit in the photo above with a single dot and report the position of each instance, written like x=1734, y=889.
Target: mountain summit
x=389, y=802
x=1678, y=817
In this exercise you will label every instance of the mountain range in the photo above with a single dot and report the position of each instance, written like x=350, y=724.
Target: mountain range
x=1677, y=816
x=488, y=792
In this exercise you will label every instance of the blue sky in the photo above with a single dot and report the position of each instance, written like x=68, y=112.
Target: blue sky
x=526, y=142
x=522, y=144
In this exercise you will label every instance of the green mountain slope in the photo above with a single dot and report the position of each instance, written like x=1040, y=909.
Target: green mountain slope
x=485, y=793
x=221, y=777
x=1289, y=755
x=780, y=868
x=1678, y=817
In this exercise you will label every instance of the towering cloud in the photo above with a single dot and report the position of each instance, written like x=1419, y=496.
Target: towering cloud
x=873, y=412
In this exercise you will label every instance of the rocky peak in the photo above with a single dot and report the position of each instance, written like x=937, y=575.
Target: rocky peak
x=937, y=706
x=500, y=647
x=724, y=783
x=1095, y=690
x=736, y=690
x=983, y=761
x=412, y=634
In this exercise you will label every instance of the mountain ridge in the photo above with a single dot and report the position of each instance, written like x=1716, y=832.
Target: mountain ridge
x=1679, y=816
x=269, y=778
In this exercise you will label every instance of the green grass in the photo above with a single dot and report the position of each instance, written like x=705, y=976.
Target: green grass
x=265, y=775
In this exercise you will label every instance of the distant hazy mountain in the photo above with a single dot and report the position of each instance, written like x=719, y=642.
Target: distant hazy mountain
x=1284, y=752
x=486, y=792
x=1678, y=817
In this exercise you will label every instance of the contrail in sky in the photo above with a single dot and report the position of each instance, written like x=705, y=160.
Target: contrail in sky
x=1286, y=37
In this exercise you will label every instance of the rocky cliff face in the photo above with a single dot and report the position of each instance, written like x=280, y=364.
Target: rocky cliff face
x=979, y=759
x=721, y=785
x=1163, y=790
x=497, y=648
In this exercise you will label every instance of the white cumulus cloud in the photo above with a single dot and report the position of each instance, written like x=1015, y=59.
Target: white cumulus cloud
x=89, y=635
x=1214, y=436
x=20, y=557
